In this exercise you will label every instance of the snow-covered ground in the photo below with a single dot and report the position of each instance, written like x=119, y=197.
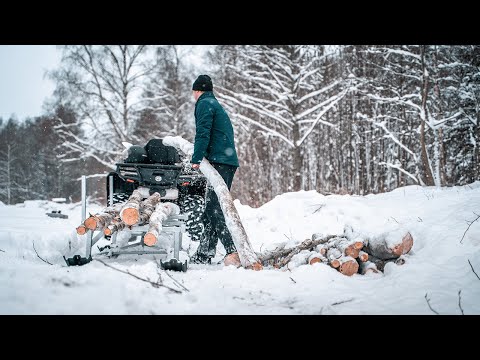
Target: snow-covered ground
x=438, y=264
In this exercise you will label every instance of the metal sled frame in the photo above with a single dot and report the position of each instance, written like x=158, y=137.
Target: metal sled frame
x=174, y=224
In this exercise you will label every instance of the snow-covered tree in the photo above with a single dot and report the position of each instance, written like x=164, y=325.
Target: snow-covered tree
x=167, y=98
x=282, y=93
x=102, y=83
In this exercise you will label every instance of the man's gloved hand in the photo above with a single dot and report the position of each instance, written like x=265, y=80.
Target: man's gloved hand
x=195, y=166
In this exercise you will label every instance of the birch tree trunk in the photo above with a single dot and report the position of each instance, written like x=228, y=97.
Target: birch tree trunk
x=248, y=258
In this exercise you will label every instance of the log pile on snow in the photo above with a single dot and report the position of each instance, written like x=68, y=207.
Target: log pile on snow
x=350, y=253
x=134, y=211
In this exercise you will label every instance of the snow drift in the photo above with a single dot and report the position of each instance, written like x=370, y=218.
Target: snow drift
x=437, y=269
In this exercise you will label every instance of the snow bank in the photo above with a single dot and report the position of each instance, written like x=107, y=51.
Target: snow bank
x=438, y=264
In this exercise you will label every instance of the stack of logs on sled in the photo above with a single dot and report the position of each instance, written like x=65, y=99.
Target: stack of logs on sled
x=349, y=253
x=135, y=211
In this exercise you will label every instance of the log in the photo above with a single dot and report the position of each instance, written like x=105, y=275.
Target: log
x=333, y=256
x=148, y=207
x=407, y=242
x=321, y=237
x=368, y=267
x=116, y=225
x=379, y=247
x=99, y=221
x=245, y=251
x=288, y=253
x=322, y=249
x=130, y=212
x=316, y=257
x=81, y=229
x=348, y=265
x=161, y=213
x=348, y=248
x=358, y=244
x=305, y=245
x=362, y=256
x=103, y=218
x=297, y=260
x=355, y=237
x=379, y=263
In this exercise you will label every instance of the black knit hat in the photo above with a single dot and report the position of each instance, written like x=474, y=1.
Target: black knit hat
x=203, y=83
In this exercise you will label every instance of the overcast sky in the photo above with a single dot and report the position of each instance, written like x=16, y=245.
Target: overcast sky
x=23, y=87
x=22, y=84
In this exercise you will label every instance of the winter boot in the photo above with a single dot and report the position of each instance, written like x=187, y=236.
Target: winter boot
x=200, y=259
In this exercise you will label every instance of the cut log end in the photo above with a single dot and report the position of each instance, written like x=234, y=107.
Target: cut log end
x=255, y=266
x=91, y=223
x=358, y=245
x=130, y=216
x=352, y=251
x=349, y=268
x=149, y=239
x=315, y=260
x=407, y=242
x=81, y=230
x=107, y=231
x=335, y=263
x=363, y=256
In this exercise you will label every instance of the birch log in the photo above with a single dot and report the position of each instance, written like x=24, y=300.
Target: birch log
x=247, y=256
x=116, y=225
x=81, y=229
x=130, y=213
x=348, y=265
x=368, y=267
x=384, y=248
x=316, y=257
x=148, y=207
x=363, y=256
x=101, y=219
x=161, y=213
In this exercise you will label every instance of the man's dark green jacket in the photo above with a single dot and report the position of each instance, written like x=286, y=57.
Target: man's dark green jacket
x=214, y=135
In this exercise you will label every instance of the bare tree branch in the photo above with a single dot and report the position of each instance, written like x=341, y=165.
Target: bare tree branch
x=460, y=301
x=428, y=303
x=342, y=302
x=155, y=285
x=287, y=254
x=33, y=242
x=473, y=269
x=469, y=224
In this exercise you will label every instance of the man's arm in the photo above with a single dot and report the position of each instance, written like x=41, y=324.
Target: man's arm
x=204, y=126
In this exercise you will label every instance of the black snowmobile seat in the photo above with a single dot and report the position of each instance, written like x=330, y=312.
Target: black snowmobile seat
x=158, y=153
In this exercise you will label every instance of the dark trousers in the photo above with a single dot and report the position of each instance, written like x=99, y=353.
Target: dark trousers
x=214, y=220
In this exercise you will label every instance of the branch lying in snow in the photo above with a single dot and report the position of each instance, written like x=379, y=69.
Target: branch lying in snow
x=469, y=224
x=473, y=269
x=342, y=302
x=428, y=303
x=155, y=285
x=290, y=252
x=33, y=242
x=460, y=301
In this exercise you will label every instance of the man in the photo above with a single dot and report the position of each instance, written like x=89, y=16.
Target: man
x=214, y=140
